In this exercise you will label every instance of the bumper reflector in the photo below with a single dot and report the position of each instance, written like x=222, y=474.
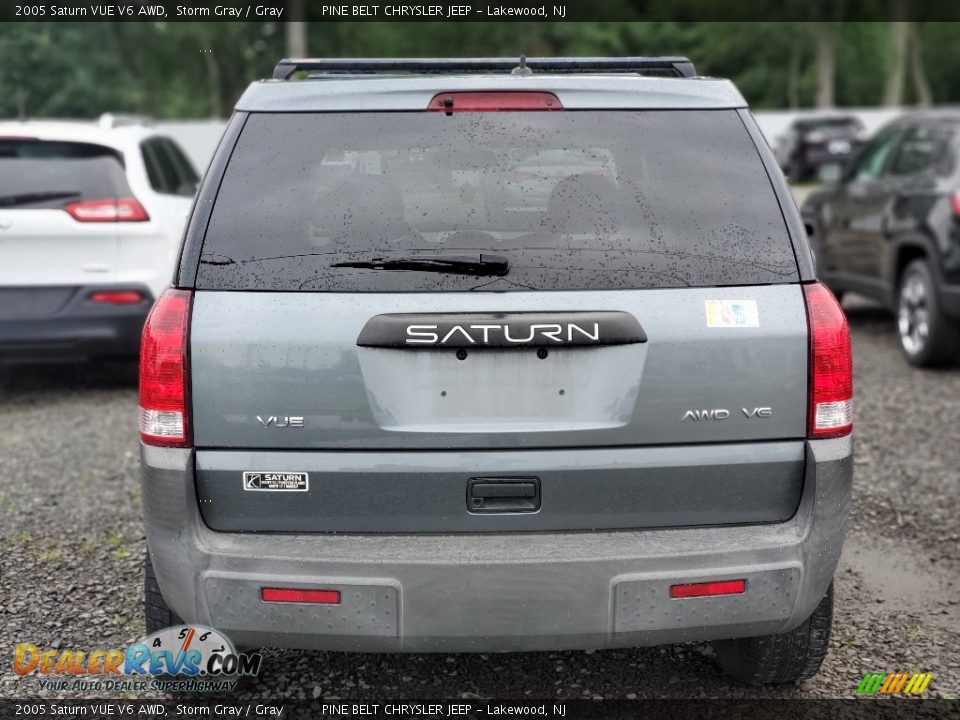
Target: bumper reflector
x=295, y=595
x=706, y=589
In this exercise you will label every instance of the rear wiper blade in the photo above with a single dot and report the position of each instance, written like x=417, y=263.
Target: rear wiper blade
x=26, y=198
x=456, y=264
x=216, y=260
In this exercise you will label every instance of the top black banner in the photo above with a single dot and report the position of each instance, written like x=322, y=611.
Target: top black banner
x=512, y=11
x=473, y=709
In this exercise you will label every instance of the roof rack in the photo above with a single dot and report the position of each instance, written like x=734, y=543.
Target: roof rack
x=109, y=121
x=677, y=66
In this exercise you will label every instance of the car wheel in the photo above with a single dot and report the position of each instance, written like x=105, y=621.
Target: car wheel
x=928, y=337
x=784, y=658
x=159, y=615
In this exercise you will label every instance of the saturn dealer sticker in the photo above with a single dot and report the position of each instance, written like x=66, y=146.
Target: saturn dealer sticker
x=276, y=481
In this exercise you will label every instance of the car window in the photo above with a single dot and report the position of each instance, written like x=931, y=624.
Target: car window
x=831, y=129
x=573, y=200
x=187, y=177
x=154, y=173
x=158, y=172
x=167, y=167
x=169, y=171
x=872, y=160
x=920, y=150
x=47, y=174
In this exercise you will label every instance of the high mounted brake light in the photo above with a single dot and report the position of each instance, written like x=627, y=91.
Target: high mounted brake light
x=831, y=365
x=163, y=371
x=107, y=210
x=493, y=101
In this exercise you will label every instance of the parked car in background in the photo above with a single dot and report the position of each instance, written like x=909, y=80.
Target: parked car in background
x=91, y=216
x=889, y=228
x=382, y=412
x=811, y=142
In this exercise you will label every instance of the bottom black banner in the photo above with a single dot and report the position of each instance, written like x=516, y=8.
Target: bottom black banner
x=402, y=709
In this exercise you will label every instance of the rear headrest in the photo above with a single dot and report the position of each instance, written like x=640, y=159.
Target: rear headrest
x=582, y=204
x=369, y=205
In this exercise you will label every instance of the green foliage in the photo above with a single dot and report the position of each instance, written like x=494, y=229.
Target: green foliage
x=941, y=57
x=196, y=70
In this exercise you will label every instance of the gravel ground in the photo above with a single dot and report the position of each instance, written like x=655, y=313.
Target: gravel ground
x=73, y=539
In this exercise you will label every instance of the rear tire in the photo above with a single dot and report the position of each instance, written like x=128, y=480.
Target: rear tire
x=156, y=612
x=928, y=337
x=784, y=658
x=159, y=615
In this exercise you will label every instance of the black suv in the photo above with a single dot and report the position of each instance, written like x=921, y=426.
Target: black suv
x=812, y=142
x=890, y=229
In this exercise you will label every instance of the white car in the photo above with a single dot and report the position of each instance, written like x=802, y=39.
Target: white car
x=91, y=216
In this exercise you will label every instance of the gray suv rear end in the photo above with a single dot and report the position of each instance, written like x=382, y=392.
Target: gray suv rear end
x=497, y=362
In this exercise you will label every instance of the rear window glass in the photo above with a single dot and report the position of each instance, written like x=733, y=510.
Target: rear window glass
x=45, y=174
x=574, y=200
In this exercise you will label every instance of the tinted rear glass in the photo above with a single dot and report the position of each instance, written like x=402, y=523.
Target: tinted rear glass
x=574, y=200
x=70, y=170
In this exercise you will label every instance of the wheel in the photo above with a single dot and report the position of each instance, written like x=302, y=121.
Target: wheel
x=928, y=337
x=785, y=658
x=158, y=616
x=157, y=613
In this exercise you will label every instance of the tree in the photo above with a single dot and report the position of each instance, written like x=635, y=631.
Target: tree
x=296, y=29
x=907, y=58
x=199, y=69
x=826, y=64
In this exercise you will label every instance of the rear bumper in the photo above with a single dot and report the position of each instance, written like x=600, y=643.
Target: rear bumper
x=497, y=591
x=32, y=328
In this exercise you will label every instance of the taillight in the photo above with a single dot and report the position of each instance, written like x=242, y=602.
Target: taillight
x=107, y=210
x=955, y=203
x=163, y=371
x=493, y=101
x=831, y=365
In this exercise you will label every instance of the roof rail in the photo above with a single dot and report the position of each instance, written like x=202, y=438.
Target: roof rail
x=678, y=66
x=114, y=120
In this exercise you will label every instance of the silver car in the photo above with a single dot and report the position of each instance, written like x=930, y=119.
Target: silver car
x=388, y=406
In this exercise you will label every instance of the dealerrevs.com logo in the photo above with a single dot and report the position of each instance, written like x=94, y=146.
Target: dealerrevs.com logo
x=179, y=658
x=900, y=683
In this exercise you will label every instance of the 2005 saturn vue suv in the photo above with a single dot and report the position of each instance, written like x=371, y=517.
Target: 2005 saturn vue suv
x=479, y=355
